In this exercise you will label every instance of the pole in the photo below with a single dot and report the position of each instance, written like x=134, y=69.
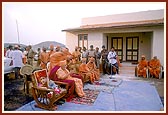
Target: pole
x=17, y=31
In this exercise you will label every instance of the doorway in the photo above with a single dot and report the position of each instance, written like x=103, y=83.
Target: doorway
x=117, y=43
x=132, y=47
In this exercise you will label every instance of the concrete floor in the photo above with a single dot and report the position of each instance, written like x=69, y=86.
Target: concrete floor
x=127, y=97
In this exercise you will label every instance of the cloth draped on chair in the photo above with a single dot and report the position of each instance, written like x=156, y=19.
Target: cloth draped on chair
x=53, y=76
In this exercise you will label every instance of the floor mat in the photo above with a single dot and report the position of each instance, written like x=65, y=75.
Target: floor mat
x=105, y=85
x=89, y=98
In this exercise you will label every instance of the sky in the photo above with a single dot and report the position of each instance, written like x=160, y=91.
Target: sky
x=31, y=23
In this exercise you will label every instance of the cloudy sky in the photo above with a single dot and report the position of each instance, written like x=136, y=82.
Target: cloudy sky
x=42, y=21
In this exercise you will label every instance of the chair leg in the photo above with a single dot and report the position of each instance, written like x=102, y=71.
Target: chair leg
x=24, y=86
x=27, y=87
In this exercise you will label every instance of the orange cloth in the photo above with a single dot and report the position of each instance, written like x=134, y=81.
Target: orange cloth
x=142, y=66
x=25, y=60
x=66, y=53
x=51, y=46
x=154, y=67
x=76, y=55
x=44, y=56
x=55, y=58
x=73, y=66
x=118, y=61
x=65, y=74
x=92, y=67
x=85, y=72
x=51, y=52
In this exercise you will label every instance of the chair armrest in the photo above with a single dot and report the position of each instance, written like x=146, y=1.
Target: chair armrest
x=62, y=83
x=43, y=89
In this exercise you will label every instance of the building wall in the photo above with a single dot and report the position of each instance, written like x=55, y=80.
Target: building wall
x=135, y=16
x=158, y=45
x=95, y=39
x=145, y=45
x=151, y=40
x=71, y=41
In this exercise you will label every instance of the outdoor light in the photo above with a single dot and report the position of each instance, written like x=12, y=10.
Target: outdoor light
x=17, y=27
x=16, y=16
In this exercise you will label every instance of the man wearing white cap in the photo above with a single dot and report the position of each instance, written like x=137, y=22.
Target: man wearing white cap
x=17, y=57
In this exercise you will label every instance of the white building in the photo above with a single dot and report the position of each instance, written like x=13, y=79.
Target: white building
x=132, y=34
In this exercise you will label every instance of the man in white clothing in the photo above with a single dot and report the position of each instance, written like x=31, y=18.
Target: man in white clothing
x=9, y=51
x=17, y=57
x=112, y=58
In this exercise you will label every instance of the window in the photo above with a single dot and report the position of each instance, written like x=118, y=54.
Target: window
x=83, y=40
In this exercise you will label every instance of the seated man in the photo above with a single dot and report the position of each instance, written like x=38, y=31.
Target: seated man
x=154, y=67
x=92, y=68
x=142, y=67
x=63, y=73
x=85, y=72
x=73, y=67
x=55, y=58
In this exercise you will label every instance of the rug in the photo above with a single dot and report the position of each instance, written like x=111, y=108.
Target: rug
x=89, y=98
x=104, y=85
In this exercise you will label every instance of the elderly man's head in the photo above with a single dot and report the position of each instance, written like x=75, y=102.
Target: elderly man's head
x=84, y=60
x=63, y=64
x=51, y=47
x=155, y=57
x=143, y=57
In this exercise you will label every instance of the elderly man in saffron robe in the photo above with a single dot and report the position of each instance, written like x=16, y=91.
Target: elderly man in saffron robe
x=142, y=66
x=73, y=67
x=66, y=52
x=55, y=58
x=85, y=72
x=76, y=54
x=51, y=50
x=92, y=67
x=44, y=56
x=63, y=73
x=154, y=67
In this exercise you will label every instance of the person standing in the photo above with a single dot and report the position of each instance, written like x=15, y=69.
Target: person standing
x=24, y=56
x=51, y=50
x=91, y=52
x=9, y=51
x=104, y=60
x=30, y=55
x=5, y=49
x=17, y=57
x=44, y=57
x=38, y=57
x=76, y=54
x=97, y=56
x=112, y=58
x=58, y=48
x=85, y=54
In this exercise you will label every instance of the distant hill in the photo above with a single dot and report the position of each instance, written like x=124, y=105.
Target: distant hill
x=21, y=45
x=46, y=44
x=39, y=45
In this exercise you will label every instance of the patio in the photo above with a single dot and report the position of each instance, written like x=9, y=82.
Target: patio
x=123, y=92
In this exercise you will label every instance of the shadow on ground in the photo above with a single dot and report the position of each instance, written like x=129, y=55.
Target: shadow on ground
x=14, y=96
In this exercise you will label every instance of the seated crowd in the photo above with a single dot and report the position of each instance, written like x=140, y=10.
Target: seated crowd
x=152, y=67
x=81, y=65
